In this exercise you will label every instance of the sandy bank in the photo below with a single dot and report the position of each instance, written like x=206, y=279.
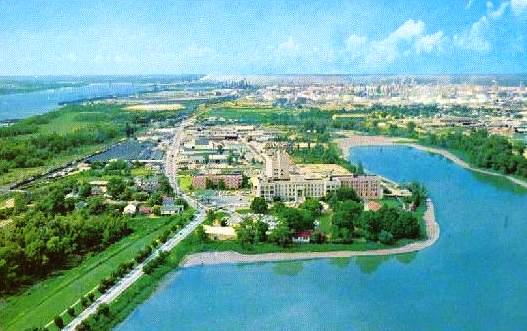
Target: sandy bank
x=230, y=257
x=354, y=141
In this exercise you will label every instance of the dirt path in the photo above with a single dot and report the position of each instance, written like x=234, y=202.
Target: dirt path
x=230, y=257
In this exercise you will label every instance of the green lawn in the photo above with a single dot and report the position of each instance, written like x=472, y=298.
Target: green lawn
x=142, y=171
x=325, y=223
x=391, y=202
x=185, y=183
x=37, y=305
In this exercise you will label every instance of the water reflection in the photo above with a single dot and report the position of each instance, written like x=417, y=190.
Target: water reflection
x=406, y=258
x=340, y=262
x=292, y=268
x=499, y=182
x=370, y=264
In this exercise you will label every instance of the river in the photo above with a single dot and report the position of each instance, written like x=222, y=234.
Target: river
x=473, y=278
x=22, y=105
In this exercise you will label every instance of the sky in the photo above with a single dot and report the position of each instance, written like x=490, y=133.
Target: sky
x=263, y=37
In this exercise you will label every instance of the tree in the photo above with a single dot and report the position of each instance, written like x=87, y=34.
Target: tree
x=360, y=169
x=317, y=237
x=313, y=206
x=386, y=237
x=103, y=309
x=346, y=214
x=84, y=301
x=95, y=205
x=200, y=235
x=71, y=311
x=59, y=322
x=297, y=219
x=116, y=187
x=281, y=235
x=84, y=190
x=341, y=194
x=259, y=205
x=260, y=231
x=245, y=233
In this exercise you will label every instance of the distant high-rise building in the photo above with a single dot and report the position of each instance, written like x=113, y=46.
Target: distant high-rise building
x=277, y=165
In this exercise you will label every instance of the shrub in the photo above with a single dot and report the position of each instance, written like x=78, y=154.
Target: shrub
x=386, y=237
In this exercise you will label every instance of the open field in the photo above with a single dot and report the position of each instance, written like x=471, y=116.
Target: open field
x=38, y=304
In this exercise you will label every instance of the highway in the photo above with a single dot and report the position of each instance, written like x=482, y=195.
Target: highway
x=127, y=281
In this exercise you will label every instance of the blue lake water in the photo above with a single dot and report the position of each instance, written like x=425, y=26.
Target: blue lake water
x=21, y=105
x=473, y=278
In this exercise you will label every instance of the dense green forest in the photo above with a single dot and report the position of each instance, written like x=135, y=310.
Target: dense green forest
x=484, y=150
x=48, y=232
x=56, y=224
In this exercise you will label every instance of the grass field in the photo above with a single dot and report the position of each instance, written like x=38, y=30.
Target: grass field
x=185, y=183
x=37, y=305
x=17, y=174
x=142, y=171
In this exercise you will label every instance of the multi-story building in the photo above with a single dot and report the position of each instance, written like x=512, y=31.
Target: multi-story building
x=230, y=181
x=278, y=182
x=367, y=187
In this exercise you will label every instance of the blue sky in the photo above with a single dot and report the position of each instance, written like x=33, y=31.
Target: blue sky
x=269, y=37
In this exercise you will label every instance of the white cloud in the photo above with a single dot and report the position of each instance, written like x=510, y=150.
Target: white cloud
x=408, y=39
x=475, y=37
x=290, y=46
x=355, y=45
x=429, y=43
x=197, y=51
x=519, y=7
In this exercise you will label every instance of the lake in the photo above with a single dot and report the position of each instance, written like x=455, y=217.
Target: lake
x=22, y=105
x=473, y=278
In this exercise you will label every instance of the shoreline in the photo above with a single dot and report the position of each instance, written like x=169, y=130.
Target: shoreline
x=363, y=141
x=231, y=257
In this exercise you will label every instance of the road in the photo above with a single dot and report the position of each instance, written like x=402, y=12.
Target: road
x=127, y=281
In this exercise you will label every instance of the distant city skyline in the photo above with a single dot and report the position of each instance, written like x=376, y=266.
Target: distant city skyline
x=274, y=37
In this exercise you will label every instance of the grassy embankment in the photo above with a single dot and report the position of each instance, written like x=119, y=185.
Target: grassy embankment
x=40, y=303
